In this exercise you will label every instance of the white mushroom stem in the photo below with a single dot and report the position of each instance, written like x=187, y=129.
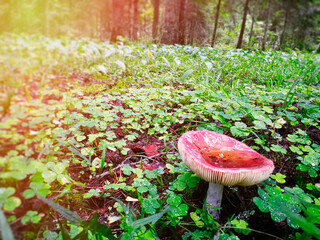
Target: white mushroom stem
x=213, y=200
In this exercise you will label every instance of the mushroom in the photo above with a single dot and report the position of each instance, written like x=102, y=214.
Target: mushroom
x=222, y=161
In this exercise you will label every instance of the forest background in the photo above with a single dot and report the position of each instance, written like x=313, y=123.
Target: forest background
x=261, y=24
x=94, y=95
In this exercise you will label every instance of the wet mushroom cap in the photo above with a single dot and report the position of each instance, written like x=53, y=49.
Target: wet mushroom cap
x=221, y=159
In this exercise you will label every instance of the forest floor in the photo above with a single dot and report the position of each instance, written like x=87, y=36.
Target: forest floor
x=89, y=136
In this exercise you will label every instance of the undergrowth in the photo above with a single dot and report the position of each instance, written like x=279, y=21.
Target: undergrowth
x=88, y=137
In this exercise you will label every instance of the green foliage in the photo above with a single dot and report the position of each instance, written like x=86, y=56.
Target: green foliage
x=280, y=178
x=79, y=136
x=184, y=180
x=299, y=209
x=6, y=232
x=240, y=226
x=31, y=216
x=310, y=163
x=8, y=201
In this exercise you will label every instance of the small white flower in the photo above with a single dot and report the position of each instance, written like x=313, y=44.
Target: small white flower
x=112, y=219
x=130, y=199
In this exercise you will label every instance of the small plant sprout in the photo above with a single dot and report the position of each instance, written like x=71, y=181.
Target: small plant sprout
x=222, y=161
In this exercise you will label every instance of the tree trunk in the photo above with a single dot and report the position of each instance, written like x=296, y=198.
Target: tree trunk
x=44, y=23
x=243, y=25
x=266, y=27
x=170, y=31
x=251, y=30
x=117, y=19
x=103, y=20
x=135, y=20
x=155, y=19
x=130, y=18
x=192, y=29
x=231, y=8
x=214, y=35
x=9, y=24
x=182, y=22
x=286, y=17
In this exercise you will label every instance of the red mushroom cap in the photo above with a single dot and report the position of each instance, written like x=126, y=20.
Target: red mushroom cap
x=221, y=159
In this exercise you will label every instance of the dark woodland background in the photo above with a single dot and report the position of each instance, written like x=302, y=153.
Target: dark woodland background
x=260, y=24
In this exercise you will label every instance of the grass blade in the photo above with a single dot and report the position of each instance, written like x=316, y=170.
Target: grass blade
x=186, y=74
x=72, y=217
x=103, y=159
x=151, y=219
x=6, y=232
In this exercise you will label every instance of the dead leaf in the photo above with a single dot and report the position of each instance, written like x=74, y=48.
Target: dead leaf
x=151, y=150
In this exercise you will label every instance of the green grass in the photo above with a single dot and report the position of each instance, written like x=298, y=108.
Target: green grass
x=72, y=137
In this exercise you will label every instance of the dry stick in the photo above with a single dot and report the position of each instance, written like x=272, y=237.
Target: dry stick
x=249, y=229
x=123, y=163
x=253, y=230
